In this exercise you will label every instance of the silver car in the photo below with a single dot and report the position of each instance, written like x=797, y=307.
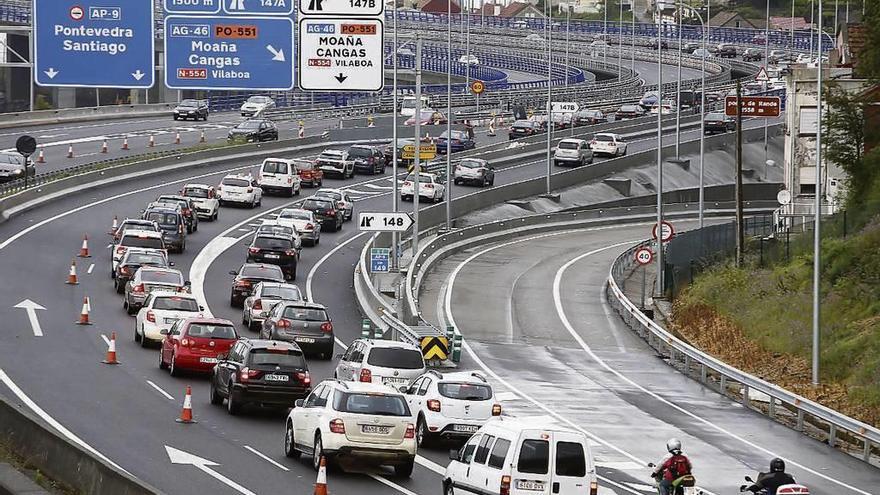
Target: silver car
x=573, y=152
x=474, y=171
x=343, y=202
x=148, y=279
x=304, y=222
x=264, y=296
x=386, y=362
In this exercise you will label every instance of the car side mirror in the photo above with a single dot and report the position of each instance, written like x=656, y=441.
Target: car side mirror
x=187, y=284
x=201, y=308
x=164, y=331
x=299, y=403
x=339, y=356
x=749, y=479
x=170, y=263
x=404, y=389
x=233, y=272
x=453, y=455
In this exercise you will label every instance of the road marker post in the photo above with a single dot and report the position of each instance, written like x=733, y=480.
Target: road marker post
x=321, y=481
x=124, y=144
x=70, y=151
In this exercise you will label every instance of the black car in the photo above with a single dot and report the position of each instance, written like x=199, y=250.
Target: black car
x=187, y=206
x=367, y=159
x=249, y=275
x=191, y=109
x=724, y=51
x=325, y=212
x=629, y=112
x=135, y=258
x=172, y=223
x=274, y=249
x=753, y=55
x=265, y=372
x=523, y=128
x=254, y=130
x=689, y=47
x=663, y=44
x=718, y=122
x=589, y=117
x=305, y=323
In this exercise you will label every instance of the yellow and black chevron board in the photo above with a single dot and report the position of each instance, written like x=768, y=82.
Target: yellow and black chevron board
x=435, y=348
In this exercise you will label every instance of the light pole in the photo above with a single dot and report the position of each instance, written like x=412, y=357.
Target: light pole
x=467, y=49
x=678, y=94
x=619, y=40
x=659, y=157
x=632, y=43
x=549, y=95
x=766, y=56
x=567, y=39
x=449, y=114
x=417, y=166
x=817, y=220
x=605, y=35
x=395, y=206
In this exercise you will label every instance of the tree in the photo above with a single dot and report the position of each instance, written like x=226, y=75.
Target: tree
x=843, y=128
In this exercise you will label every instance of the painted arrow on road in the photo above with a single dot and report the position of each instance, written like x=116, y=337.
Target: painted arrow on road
x=31, y=308
x=278, y=54
x=177, y=456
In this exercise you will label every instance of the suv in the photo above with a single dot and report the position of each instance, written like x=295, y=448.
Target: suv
x=241, y=189
x=474, y=171
x=360, y=421
x=149, y=239
x=263, y=298
x=343, y=201
x=276, y=249
x=254, y=130
x=324, y=210
x=336, y=162
x=725, y=51
x=430, y=188
x=718, y=122
x=187, y=207
x=609, y=144
x=148, y=279
x=160, y=310
x=278, y=174
x=304, y=222
x=191, y=109
x=249, y=275
x=135, y=258
x=306, y=323
x=204, y=199
x=452, y=405
x=172, y=222
x=367, y=159
x=572, y=151
x=753, y=55
x=256, y=105
x=265, y=372
x=387, y=362
x=309, y=173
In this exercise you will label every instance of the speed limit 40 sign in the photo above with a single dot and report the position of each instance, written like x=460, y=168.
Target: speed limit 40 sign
x=644, y=256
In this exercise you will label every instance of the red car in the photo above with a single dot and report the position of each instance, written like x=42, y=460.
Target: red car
x=309, y=173
x=196, y=344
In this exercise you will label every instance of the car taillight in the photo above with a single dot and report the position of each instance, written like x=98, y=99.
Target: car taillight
x=366, y=376
x=410, y=431
x=180, y=229
x=120, y=249
x=505, y=485
x=186, y=342
x=282, y=323
x=496, y=409
x=151, y=317
x=434, y=405
x=594, y=487
x=253, y=250
x=326, y=327
x=250, y=189
x=258, y=304
x=337, y=426
x=407, y=183
x=124, y=270
x=187, y=211
x=138, y=288
x=309, y=227
x=243, y=283
x=247, y=373
x=429, y=186
x=304, y=377
x=290, y=252
x=331, y=213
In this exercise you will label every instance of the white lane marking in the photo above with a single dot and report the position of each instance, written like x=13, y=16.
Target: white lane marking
x=31, y=308
x=626, y=488
x=52, y=422
x=266, y=458
x=391, y=484
x=506, y=396
x=244, y=230
x=618, y=339
x=106, y=340
x=324, y=258
x=377, y=186
x=91, y=267
x=202, y=261
x=560, y=311
x=177, y=456
x=159, y=389
x=433, y=466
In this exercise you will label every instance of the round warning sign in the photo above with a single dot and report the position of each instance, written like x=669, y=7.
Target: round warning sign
x=478, y=87
x=644, y=256
x=667, y=231
x=77, y=13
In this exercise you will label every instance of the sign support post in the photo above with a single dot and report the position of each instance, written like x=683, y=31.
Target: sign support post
x=417, y=168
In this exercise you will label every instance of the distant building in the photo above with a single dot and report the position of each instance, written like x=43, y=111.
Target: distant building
x=439, y=6
x=521, y=9
x=732, y=19
x=851, y=40
x=784, y=23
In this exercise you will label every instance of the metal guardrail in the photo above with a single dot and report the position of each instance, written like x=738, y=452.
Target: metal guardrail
x=836, y=423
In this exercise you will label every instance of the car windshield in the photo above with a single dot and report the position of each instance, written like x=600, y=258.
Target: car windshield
x=275, y=167
x=211, y=331
x=395, y=357
x=360, y=152
x=330, y=156
x=316, y=204
x=136, y=225
x=283, y=293
x=275, y=229
x=423, y=178
x=604, y=137
x=629, y=108
x=471, y=164
x=144, y=242
x=162, y=277
x=455, y=135
x=176, y=304
x=370, y=403
x=163, y=219
x=258, y=99
x=272, y=243
x=195, y=192
x=522, y=123
x=284, y=358
x=715, y=116
x=270, y=272
x=189, y=103
x=249, y=124
x=302, y=165
x=305, y=314
x=236, y=182
x=568, y=145
x=295, y=214
x=465, y=391
x=144, y=259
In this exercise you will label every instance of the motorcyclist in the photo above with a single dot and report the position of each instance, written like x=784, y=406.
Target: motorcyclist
x=672, y=466
x=770, y=481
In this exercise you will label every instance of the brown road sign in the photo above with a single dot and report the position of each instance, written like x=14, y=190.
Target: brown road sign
x=426, y=152
x=754, y=106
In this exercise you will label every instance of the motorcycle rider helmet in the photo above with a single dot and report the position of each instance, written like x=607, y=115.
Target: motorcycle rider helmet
x=673, y=446
x=777, y=466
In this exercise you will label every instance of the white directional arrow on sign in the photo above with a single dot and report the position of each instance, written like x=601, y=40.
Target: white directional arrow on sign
x=177, y=456
x=384, y=222
x=278, y=54
x=137, y=75
x=51, y=73
x=31, y=308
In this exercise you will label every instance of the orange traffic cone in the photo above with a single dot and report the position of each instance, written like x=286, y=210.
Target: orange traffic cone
x=152, y=142
x=177, y=138
x=84, y=250
x=114, y=226
x=202, y=137
x=84, y=314
x=71, y=275
x=111, y=351
x=104, y=147
x=124, y=145
x=40, y=157
x=70, y=151
x=186, y=415
x=321, y=482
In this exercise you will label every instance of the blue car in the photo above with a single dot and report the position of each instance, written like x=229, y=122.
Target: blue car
x=461, y=141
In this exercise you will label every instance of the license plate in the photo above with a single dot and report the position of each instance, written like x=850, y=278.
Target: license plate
x=272, y=256
x=393, y=381
x=277, y=378
x=530, y=485
x=304, y=340
x=170, y=321
x=208, y=360
x=376, y=430
x=465, y=428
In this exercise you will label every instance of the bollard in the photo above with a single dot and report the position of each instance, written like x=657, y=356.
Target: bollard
x=378, y=334
x=450, y=333
x=456, y=347
x=365, y=329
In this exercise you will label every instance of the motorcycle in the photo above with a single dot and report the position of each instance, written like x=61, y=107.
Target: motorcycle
x=792, y=489
x=684, y=485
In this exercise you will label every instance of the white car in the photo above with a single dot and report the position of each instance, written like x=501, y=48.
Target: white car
x=279, y=174
x=304, y=222
x=240, y=189
x=474, y=171
x=135, y=238
x=386, y=362
x=408, y=105
x=430, y=187
x=609, y=144
x=451, y=405
x=336, y=162
x=362, y=421
x=572, y=151
x=666, y=108
x=264, y=296
x=160, y=310
x=469, y=60
x=204, y=197
x=343, y=201
x=256, y=105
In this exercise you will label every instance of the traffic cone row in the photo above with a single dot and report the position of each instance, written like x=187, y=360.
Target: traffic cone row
x=124, y=145
x=71, y=275
x=40, y=157
x=186, y=415
x=202, y=137
x=70, y=151
x=114, y=226
x=321, y=482
x=177, y=138
x=84, y=249
x=152, y=142
x=104, y=147
x=84, y=314
x=111, y=351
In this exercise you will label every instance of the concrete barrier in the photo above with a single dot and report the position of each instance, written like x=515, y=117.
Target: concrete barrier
x=85, y=114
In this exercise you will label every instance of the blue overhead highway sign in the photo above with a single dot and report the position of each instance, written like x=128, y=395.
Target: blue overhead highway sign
x=192, y=6
x=233, y=7
x=94, y=43
x=234, y=53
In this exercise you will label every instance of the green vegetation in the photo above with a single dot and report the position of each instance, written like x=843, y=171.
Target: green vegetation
x=22, y=465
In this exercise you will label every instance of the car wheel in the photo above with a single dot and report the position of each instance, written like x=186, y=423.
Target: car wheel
x=137, y=336
x=298, y=190
x=175, y=117
x=215, y=216
x=492, y=182
x=120, y=288
x=254, y=326
x=317, y=240
x=555, y=163
x=232, y=405
x=244, y=320
x=143, y=339
x=260, y=201
x=404, y=470
x=448, y=490
x=422, y=434
x=129, y=308
x=293, y=273
x=162, y=364
x=216, y=398
x=289, y=443
x=339, y=226
x=591, y=161
x=319, y=452
x=172, y=367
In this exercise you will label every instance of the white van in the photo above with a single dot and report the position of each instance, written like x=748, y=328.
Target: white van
x=279, y=174
x=408, y=105
x=522, y=457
